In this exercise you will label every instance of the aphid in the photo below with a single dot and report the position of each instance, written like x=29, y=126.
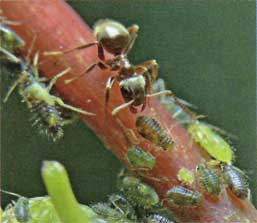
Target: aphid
x=209, y=179
x=176, y=106
x=182, y=196
x=150, y=129
x=21, y=207
x=104, y=210
x=186, y=176
x=210, y=141
x=121, y=204
x=40, y=101
x=138, y=193
x=236, y=180
x=9, y=39
x=134, y=80
x=157, y=218
x=140, y=159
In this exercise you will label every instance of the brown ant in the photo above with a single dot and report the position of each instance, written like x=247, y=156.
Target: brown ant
x=134, y=80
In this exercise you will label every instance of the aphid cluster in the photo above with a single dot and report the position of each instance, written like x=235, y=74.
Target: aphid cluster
x=46, y=107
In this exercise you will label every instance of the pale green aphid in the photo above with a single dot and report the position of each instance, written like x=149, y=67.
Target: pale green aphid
x=140, y=159
x=211, y=142
x=186, y=176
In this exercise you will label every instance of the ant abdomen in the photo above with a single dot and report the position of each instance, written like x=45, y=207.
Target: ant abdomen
x=112, y=35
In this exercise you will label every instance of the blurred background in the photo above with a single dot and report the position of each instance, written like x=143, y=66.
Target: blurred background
x=206, y=53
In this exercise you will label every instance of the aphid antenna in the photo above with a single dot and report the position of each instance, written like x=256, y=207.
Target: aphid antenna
x=10, y=193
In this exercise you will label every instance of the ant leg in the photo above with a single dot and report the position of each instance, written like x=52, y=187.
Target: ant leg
x=56, y=77
x=100, y=64
x=121, y=107
x=151, y=64
x=60, y=102
x=11, y=56
x=165, y=92
x=108, y=87
x=13, y=87
x=133, y=30
x=79, y=47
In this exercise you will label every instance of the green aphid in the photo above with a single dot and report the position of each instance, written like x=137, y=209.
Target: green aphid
x=120, y=203
x=186, y=176
x=138, y=193
x=182, y=196
x=10, y=41
x=21, y=210
x=211, y=142
x=209, y=179
x=104, y=210
x=140, y=159
x=178, y=113
x=236, y=180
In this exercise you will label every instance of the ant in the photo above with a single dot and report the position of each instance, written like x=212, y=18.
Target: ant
x=134, y=80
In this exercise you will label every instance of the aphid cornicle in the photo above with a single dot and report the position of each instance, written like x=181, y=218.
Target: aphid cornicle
x=138, y=192
x=45, y=106
x=150, y=129
x=134, y=80
x=182, y=196
x=236, y=180
x=209, y=179
x=140, y=158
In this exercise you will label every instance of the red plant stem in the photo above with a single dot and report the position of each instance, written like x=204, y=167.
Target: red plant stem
x=57, y=27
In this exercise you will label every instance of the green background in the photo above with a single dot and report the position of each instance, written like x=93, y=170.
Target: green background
x=206, y=53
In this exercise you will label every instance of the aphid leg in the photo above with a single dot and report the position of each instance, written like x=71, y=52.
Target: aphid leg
x=56, y=77
x=116, y=110
x=133, y=30
x=11, y=56
x=60, y=102
x=35, y=65
x=13, y=87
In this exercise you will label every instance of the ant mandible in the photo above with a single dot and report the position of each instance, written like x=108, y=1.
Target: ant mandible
x=134, y=80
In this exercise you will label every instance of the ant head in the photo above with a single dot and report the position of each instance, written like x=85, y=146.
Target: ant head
x=112, y=35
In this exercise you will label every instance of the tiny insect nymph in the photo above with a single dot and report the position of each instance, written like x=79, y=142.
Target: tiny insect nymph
x=157, y=218
x=36, y=94
x=236, y=180
x=20, y=208
x=138, y=192
x=182, y=196
x=138, y=158
x=150, y=129
x=120, y=203
x=134, y=80
x=209, y=179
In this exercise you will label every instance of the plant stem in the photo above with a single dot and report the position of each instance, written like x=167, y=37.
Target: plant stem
x=57, y=27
